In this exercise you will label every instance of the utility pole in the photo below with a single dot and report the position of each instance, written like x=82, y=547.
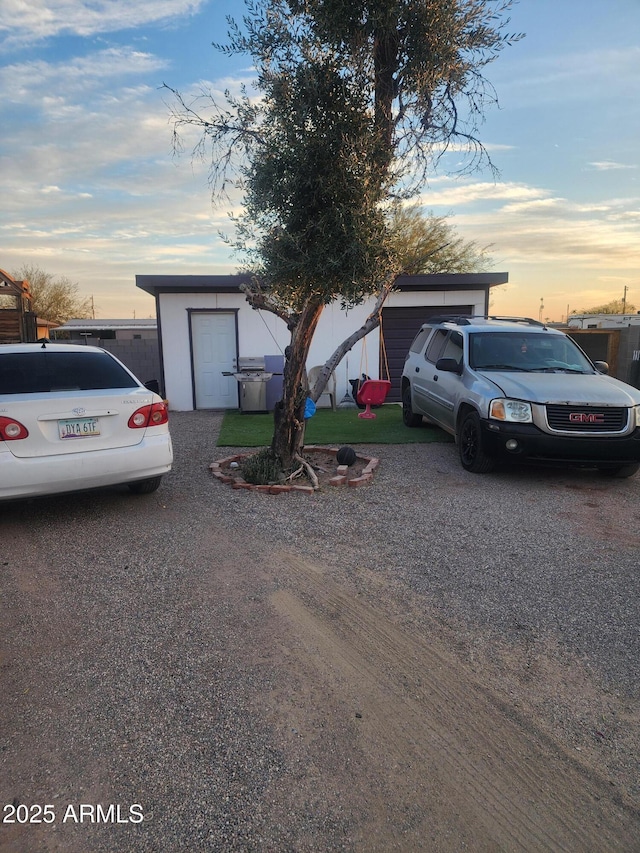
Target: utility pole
x=624, y=300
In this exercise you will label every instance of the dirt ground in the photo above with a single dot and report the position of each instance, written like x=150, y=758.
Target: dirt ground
x=447, y=764
x=387, y=736
x=254, y=699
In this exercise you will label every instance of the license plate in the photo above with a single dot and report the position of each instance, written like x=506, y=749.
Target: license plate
x=80, y=428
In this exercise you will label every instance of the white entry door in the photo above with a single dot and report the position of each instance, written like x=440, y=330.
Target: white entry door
x=214, y=344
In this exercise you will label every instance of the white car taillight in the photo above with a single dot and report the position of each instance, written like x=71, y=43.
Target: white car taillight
x=11, y=430
x=155, y=414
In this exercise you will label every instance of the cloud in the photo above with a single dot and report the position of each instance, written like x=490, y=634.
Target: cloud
x=527, y=224
x=52, y=86
x=25, y=21
x=609, y=165
x=596, y=243
x=455, y=194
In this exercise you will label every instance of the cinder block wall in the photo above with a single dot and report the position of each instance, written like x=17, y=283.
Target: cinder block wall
x=141, y=356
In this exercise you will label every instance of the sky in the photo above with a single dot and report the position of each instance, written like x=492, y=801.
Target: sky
x=92, y=189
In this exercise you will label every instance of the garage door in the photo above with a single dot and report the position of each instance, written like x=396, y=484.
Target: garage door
x=400, y=326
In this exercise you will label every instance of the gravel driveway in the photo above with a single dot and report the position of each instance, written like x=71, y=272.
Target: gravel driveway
x=436, y=661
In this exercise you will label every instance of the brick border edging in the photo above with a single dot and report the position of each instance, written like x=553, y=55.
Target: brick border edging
x=340, y=479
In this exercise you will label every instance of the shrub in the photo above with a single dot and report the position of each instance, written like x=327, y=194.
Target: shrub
x=262, y=469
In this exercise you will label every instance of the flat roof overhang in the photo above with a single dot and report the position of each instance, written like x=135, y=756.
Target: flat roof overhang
x=156, y=284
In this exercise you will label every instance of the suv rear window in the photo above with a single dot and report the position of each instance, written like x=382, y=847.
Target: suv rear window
x=47, y=370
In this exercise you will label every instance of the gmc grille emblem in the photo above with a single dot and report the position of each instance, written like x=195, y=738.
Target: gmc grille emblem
x=586, y=418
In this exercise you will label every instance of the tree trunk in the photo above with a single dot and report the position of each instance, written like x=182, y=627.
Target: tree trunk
x=288, y=415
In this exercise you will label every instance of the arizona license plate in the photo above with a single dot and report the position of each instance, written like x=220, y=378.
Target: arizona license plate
x=80, y=428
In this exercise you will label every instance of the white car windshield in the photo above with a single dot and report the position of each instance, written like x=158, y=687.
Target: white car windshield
x=529, y=352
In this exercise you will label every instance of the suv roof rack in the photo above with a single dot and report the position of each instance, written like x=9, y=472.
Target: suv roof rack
x=469, y=319
x=448, y=318
x=526, y=320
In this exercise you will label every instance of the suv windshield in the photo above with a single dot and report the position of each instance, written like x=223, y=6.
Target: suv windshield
x=524, y=351
x=47, y=370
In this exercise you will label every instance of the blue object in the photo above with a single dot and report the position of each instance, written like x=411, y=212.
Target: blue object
x=309, y=409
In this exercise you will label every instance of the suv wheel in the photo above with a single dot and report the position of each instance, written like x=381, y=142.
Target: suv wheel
x=409, y=418
x=472, y=455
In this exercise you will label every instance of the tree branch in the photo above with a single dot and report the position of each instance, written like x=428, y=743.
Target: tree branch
x=262, y=301
x=372, y=322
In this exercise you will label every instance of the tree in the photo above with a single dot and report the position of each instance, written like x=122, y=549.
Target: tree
x=53, y=298
x=425, y=244
x=359, y=97
x=616, y=306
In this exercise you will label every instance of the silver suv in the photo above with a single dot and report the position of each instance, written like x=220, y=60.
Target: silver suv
x=514, y=389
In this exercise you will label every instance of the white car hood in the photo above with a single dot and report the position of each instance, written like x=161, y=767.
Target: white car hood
x=565, y=388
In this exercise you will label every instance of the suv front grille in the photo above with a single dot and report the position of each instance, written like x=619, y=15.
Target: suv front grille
x=586, y=419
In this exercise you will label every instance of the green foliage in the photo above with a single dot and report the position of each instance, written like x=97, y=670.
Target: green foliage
x=359, y=98
x=420, y=64
x=616, y=306
x=313, y=192
x=262, y=469
x=424, y=243
x=54, y=298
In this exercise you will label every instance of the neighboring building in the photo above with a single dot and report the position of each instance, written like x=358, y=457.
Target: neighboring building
x=614, y=338
x=603, y=321
x=90, y=331
x=206, y=325
x=17, y=320
x=44, y=328
x=134, y=342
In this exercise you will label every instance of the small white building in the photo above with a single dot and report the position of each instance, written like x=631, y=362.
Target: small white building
x=206, y=325
x=92, y=331
x=603, y=321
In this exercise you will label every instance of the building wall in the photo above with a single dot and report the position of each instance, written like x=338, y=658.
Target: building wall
x=142, y=357
x=261, y=333
x=135, y=334
x=619, y=347
x=95, y=335
x=629, y=356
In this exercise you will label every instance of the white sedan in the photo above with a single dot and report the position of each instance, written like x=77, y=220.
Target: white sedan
x=74, y=418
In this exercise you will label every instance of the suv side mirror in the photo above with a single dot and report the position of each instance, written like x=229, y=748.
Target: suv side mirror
x=601, y=366
x=449, y=365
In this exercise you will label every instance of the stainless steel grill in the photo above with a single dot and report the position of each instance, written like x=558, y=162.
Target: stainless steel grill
x=586, y=419
x=252, y=380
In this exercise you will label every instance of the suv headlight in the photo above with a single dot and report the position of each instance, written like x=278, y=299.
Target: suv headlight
x=514, y=411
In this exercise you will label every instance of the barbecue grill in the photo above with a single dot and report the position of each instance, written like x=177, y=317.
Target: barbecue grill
x=252, y=379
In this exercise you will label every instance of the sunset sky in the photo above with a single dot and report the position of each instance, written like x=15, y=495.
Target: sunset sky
x=92, y=191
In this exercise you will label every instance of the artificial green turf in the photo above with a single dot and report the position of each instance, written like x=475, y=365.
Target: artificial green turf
x=331, y=428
